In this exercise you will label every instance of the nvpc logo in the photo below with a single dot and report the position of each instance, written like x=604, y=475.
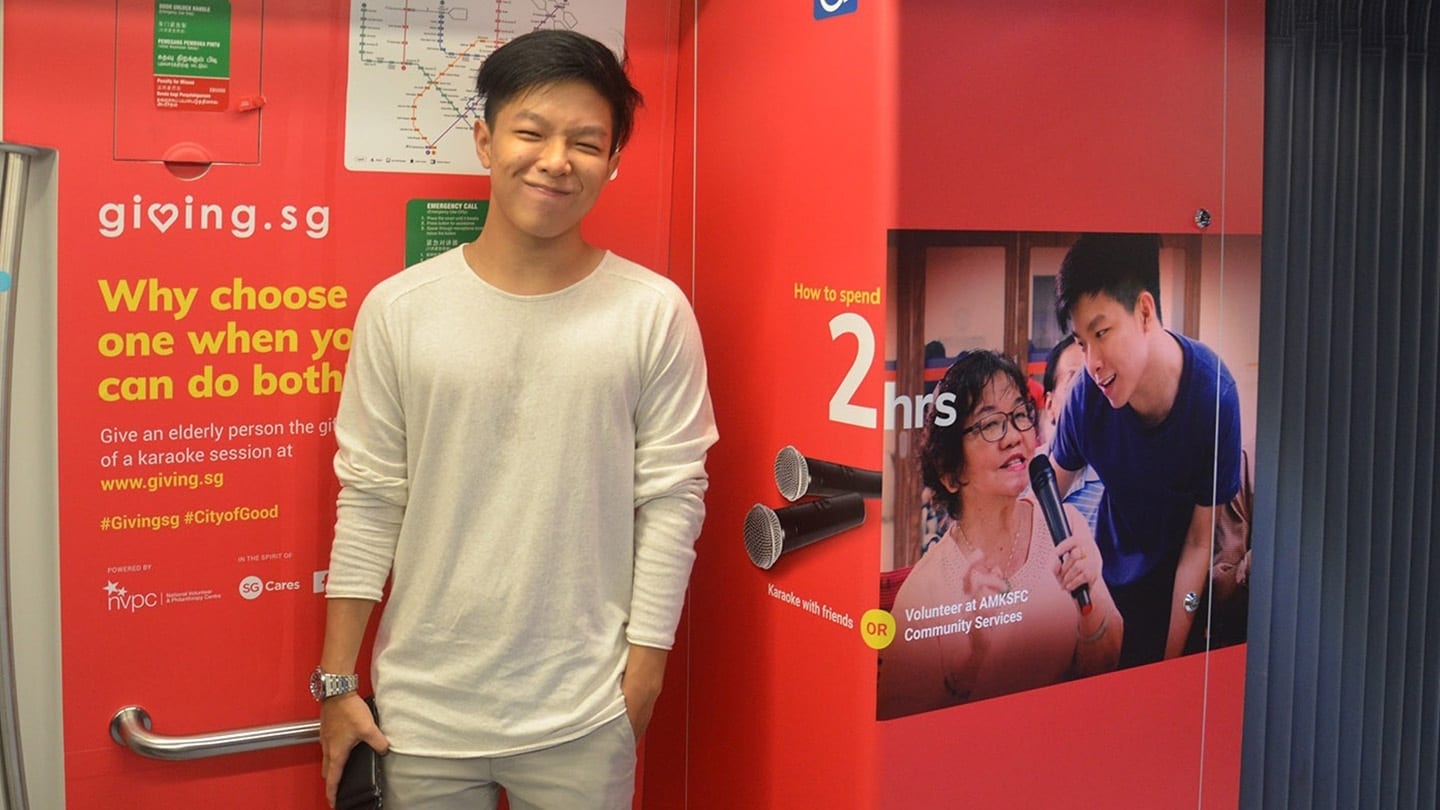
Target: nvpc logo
x=118, y=598
x=252, y=587
x=833, y=8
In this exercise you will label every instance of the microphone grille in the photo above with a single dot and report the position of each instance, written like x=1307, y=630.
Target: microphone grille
x=764, y=539
x=792, y=474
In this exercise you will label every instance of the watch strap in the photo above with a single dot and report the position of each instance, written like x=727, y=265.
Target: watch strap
x=337, y=685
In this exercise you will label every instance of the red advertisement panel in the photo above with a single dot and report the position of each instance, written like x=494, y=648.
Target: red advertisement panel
x=1058, y=122
x=982, y=384
x=1027, y=129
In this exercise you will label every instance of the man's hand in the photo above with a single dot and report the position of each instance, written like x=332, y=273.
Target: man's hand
x=344, y=721
x=1192, y=575
x=644, y=674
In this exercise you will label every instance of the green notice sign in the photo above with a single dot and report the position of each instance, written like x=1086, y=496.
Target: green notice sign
x=192, y=39
x=434, y=226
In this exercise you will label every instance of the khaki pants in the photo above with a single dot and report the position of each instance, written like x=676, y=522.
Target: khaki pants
x=595, y=772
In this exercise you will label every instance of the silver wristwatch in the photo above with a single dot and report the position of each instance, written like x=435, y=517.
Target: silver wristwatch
x=327, y=685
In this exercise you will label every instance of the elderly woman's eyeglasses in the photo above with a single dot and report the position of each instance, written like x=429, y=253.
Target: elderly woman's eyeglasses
x=994, y=427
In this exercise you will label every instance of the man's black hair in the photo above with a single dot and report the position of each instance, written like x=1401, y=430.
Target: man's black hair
x=1120, y=265
x=547, y=57
x=1053, y=359
x=942, y=447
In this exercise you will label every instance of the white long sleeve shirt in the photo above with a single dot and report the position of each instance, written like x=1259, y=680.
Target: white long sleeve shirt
x=530, y=472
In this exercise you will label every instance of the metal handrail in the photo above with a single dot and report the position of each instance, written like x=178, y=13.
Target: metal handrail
x=14, y=179
x=130, y=727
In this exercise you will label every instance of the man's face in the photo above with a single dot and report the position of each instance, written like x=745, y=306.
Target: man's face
x=1114, y=343
x=1067, y=371
x=549, y=157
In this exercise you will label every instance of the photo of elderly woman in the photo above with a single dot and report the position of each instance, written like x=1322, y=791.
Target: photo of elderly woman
x=988, y=609
x=974, y=345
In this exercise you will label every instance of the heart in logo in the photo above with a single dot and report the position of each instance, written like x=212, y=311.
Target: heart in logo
x=163, y=216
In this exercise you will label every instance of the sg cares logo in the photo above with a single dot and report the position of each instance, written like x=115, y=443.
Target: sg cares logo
x=253, y=587
x=118, y=599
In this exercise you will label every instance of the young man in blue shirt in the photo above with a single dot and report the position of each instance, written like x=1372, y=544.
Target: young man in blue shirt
x=1158, y=418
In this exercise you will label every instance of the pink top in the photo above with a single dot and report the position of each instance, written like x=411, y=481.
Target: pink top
x=952, y=646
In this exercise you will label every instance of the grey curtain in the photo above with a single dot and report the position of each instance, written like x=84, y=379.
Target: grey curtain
x=1343, y=682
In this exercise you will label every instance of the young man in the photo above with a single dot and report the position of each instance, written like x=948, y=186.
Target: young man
x=522, y=437
x=1157, y=416
x=1064, y=366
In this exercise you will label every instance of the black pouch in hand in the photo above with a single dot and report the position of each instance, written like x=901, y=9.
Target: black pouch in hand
x=362, y=786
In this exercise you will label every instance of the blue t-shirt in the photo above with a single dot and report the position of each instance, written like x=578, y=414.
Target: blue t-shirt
x=1156, y=475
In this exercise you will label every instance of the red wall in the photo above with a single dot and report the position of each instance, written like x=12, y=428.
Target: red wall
x=792, y=186
x=1066, y=116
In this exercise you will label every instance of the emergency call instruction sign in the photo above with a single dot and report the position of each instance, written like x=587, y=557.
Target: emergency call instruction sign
x=192, y=55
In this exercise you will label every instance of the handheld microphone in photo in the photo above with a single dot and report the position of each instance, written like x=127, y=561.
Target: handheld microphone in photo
x=797, y=476
x=770, y=533
x=1047, y=492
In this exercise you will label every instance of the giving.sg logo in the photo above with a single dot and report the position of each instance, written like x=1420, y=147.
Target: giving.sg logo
x=253, y=587
x=121, y=599
x=241, y=220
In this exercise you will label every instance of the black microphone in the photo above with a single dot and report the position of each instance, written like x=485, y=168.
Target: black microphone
x=797, y=476
x=772, y=532
x=1047, y=492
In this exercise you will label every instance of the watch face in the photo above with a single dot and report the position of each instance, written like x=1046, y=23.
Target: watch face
x=324, y=685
